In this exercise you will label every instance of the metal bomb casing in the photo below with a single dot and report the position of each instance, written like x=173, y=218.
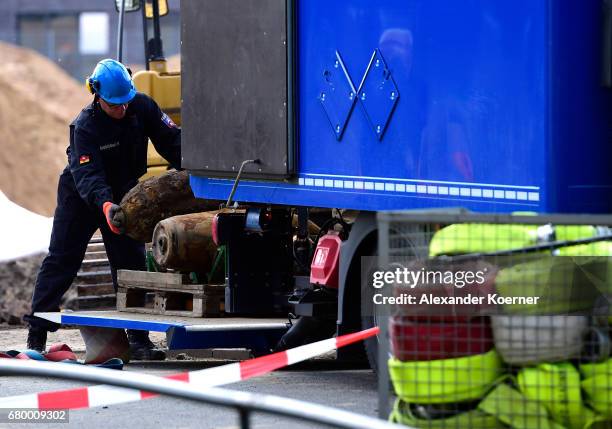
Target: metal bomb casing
x=185, y=242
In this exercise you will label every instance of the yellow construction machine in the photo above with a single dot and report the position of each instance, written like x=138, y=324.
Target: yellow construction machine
x=156, y=81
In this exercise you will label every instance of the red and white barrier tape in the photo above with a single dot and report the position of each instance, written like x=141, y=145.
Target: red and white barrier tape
x=103, y=395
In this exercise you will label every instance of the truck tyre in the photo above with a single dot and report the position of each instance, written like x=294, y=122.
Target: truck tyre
x=415, y=244
x=370, y=321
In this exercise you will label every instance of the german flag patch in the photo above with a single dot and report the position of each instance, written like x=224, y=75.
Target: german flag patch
x=84, y=159
x=169, y=122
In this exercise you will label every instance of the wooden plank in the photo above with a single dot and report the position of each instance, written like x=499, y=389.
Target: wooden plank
x=165, y=281
x=153, y=278
x=199, y=308
x=207, y=289
x=167, y=288
x=121, y=301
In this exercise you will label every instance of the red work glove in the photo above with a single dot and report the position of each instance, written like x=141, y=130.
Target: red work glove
x=114, y=217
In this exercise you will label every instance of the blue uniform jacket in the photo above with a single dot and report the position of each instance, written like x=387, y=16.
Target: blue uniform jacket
x=106, y=156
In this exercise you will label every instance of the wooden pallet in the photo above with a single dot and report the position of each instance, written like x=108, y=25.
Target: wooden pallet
x=169, y=294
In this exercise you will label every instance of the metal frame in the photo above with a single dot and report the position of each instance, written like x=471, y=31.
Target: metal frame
x=384, y=382
x=461, y=216
x=292, y=129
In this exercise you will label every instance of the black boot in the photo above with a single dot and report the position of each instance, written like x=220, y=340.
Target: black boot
x=141, y=347
x=37, y=339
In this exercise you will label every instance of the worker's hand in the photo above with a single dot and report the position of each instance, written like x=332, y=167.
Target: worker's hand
x=114, y=217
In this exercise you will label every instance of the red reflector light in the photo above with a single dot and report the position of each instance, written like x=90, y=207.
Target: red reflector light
x=326, y=261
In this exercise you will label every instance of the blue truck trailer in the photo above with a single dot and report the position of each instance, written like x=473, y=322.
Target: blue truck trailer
x=488, y=105
x=303, y=106
x=493, y=106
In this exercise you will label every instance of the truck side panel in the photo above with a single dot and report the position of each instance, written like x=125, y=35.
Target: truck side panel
x=438, y=103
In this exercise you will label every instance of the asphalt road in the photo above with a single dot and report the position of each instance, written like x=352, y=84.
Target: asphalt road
x=326, y=383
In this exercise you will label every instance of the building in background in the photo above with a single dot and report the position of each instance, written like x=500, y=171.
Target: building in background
x=76, y=34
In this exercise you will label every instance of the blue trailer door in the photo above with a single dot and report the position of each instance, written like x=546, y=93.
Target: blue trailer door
x=470, y=98
x=235, y=88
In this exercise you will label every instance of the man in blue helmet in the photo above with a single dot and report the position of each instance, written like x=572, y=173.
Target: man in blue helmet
x=106, y=156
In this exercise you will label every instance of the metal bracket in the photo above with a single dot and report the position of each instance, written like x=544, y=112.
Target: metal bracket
x=378, y=94
x=338, y=95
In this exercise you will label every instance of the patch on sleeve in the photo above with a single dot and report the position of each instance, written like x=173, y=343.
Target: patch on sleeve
x=166, y=120
x=84, y=159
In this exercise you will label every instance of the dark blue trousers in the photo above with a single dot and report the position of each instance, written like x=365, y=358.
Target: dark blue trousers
x=74, y=223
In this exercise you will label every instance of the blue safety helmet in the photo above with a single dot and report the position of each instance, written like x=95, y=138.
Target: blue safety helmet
x=112, y=82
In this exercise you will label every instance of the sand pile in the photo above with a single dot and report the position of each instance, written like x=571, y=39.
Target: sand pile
x=38, y=102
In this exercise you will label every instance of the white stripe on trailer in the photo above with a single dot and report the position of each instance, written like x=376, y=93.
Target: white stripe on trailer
x=534, y=196
x=235, y=327
x=438, y=182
